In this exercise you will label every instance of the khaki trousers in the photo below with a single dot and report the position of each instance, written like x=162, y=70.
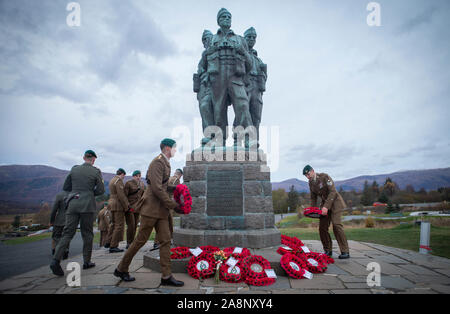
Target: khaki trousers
x=118, y=227
x=145, y=230
x=131, y=220
x=338, y=230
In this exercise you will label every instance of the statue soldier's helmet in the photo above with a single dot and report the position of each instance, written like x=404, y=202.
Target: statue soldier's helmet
x=250, y=31
x=221, y=12
x=206, y=33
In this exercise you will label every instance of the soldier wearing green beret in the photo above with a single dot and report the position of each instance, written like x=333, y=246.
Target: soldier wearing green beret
x=83, y=183
x=173, y=182
x=134, y=189
x=118, y=204
x=321, y=184
x=154, y=207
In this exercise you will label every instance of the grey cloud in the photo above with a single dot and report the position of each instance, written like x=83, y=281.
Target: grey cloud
x=411, y=24
x=23, y=25
x=321, y=155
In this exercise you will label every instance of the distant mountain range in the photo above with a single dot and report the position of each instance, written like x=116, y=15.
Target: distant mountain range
x=26, y=187
x=29, y=186
x=431, y=179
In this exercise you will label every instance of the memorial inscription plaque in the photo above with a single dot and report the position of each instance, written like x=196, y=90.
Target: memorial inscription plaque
x=224, y=194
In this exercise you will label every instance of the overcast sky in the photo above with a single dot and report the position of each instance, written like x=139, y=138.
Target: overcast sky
x=347, y=98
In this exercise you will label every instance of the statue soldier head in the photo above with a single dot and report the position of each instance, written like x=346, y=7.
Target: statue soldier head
x=224, y=18
x=250, y=37
x=206, y=38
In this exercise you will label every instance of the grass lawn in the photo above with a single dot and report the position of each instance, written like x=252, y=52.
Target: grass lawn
x=401, y=236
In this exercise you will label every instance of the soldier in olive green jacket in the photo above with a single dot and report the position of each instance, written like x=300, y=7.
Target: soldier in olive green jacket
x=58, y=220
x=321, y=184
x=83, y=183
x=154, y=207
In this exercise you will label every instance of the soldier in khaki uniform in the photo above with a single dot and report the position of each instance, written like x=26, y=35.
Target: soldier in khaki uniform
x=173, y=182
x=320, y=184
x=134, y=189
x=58, y=220
x=83, y=183
x=104, y=220
x=154, y=207
x=118, y=204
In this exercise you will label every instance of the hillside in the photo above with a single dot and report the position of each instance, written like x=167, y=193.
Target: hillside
x=431, y=179
x=29, y=186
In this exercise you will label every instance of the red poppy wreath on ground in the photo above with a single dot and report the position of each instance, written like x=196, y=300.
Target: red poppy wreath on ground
x=293, y=265
x=313, y=212
x=229, y=252
x=255, y=267
x=180, y=252
x=202, y=266
x=209, y=248
x=182, y=190
x=233, y=274
x=292, y=242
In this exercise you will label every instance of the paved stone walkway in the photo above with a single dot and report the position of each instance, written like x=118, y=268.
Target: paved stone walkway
x=402, y=271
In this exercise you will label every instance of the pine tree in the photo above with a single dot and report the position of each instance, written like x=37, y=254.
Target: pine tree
x=366, y=198
x=293, y=197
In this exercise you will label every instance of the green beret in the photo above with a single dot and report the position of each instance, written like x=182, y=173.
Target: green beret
x=90, y=153
x=106, y=203
x=250, y=31
x=206, y=33
x=307, y=169
x=181, y=171
x=120, y=171
x=136, y=172
x=221, y=12
x=168, y=142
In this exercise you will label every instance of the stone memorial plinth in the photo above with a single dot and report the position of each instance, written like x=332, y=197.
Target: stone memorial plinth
x=231, y=201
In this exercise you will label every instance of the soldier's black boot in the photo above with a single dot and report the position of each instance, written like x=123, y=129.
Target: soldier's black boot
x=87, y=265
x=56, y=268
x=171, y=282
x=344, y=255
x=107, y=246
x=329, y=253
x=115, y=250
x=124, y=276
x=155, y=246
x=66, y=255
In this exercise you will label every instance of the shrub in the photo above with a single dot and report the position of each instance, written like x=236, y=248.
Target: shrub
x=370, y=222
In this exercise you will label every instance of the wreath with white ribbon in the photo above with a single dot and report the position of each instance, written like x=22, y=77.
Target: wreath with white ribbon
x=202, y=266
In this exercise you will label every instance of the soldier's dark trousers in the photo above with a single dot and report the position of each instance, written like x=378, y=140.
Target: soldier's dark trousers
x=145, y=230
x=118, y=226
x=57, y=234
x=338, y=230
x=86, y=221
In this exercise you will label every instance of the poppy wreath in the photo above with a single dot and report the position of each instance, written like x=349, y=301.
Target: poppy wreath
x=209, y=248
x=255, y=267
x=182, y=190
x=180, y=252
x=202, y=266
x=313, y=212
x=229, y=252
x=321, y=257
x=316, y=269
x=292, y=242
x=293, y=265
x=283, y=251
x=233, y=274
